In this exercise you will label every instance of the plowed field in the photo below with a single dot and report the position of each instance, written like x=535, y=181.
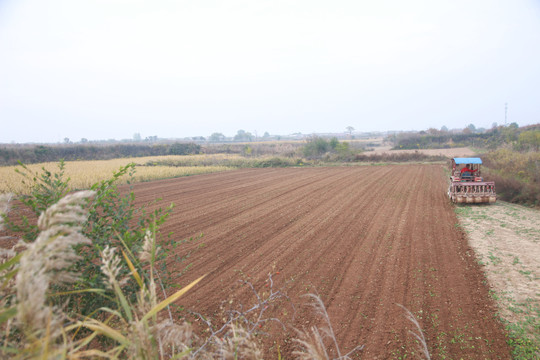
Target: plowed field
x=363, y=238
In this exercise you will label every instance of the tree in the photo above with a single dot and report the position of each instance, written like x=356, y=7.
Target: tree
x=84, y=140
x=266, y=135
x=350, y=129
x=66, y=140
x=242, y=135
x=137, y=137
x=315, y=147
x=216, y=137
x=509, y=133
x=472, y=128
x=529, y=140
x=444, y=128
x=334, y=142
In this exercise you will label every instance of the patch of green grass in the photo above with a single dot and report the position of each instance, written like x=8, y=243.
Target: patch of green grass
x=526, y=273
x=495, y=260
x=524, y=334
x=523, y=347
x=463, y=210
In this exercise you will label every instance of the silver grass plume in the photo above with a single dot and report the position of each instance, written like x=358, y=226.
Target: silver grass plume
x=47, y=261
x=150, y=250
x=312, y=345
x=174, y=336
x=238, y=344
x=4, y=207
x=110, y=265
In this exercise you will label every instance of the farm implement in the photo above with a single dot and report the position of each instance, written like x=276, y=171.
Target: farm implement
x=467, y=184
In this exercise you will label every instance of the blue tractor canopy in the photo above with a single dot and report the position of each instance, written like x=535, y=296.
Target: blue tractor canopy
x=460, y=161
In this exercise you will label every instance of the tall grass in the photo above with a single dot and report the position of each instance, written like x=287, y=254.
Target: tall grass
x=84, y=174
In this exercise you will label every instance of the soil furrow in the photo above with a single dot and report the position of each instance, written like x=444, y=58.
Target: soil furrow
x=364, y=238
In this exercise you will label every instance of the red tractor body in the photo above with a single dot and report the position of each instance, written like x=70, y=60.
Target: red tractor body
x=467, y=184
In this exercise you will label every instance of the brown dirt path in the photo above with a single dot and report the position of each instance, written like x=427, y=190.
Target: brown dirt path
x=364, y=238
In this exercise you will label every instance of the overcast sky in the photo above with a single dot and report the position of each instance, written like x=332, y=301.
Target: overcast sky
x=103, y=69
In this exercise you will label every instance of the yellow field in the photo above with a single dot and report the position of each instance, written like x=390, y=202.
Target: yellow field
x=85, y=173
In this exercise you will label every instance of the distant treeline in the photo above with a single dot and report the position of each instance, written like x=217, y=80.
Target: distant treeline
x=524, y=138
x=28, y=154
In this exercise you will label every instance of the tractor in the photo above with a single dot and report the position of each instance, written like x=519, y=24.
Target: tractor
x=467, y=184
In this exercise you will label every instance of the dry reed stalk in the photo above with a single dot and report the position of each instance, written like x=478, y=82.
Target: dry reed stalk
x=312, y=344
x=4, y=207
x=47, y=262
x=419, y=334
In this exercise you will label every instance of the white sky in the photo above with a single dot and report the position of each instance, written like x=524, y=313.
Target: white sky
x=103, y=69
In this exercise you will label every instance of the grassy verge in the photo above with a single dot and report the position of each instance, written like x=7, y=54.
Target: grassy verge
x=506, y=239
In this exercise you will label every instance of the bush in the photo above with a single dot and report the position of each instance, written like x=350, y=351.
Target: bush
x=277, y=162
x=315, y=147
x=516, y=175
x=330, y=151
x=112, y=220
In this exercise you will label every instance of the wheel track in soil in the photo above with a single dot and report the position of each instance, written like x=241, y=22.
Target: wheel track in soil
x=364, y=238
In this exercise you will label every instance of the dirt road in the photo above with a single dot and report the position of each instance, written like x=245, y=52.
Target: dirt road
x=364, y=238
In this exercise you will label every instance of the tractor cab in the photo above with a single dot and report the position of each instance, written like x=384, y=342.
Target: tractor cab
x=466, y=170
x=467, y=184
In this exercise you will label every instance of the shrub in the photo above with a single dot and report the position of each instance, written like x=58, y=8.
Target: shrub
x=34, y=328
x=330, y=151
x=516, y=175
x=315, y=147
x=112, y=219
x=277, y=162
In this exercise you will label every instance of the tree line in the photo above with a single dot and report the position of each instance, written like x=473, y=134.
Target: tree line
x=520, y=138
x=28, y=154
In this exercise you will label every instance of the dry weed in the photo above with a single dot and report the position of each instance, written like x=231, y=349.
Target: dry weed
x=312, y=343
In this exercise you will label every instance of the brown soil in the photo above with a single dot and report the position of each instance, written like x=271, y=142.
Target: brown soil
x=364, y=238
